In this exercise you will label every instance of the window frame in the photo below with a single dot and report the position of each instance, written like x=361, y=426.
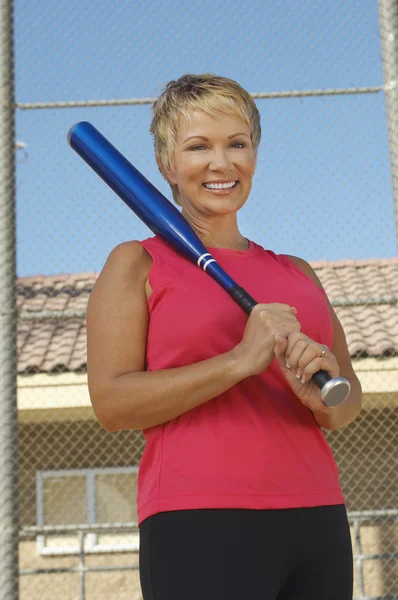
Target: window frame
x=91, y=545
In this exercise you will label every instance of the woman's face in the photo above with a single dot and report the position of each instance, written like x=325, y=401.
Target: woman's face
x=214, y=163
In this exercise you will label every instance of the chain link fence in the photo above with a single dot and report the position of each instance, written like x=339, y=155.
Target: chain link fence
x=324, y=76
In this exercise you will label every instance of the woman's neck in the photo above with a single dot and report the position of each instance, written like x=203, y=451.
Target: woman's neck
x=218, y=235
x=237, y=243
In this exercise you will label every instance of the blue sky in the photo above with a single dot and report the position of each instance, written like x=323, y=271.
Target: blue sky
x=323, y=186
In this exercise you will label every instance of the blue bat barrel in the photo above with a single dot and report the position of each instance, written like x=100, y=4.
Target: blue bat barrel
x=162, y=217
x=165, y=220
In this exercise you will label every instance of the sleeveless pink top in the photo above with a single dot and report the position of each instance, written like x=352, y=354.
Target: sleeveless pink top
x=255, y=446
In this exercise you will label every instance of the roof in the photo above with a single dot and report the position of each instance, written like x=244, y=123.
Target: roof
x=52, y=332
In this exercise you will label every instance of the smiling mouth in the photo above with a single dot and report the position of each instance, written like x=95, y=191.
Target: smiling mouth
x=220, y=186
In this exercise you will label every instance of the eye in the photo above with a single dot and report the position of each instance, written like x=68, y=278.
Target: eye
x=198, y=147
x=237, y=145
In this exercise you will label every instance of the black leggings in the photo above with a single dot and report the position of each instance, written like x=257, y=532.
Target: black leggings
x=239, y=554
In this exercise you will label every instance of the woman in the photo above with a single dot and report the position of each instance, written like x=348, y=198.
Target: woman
x=239, y=496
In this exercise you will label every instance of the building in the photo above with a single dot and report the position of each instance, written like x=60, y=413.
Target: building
x=72, y=472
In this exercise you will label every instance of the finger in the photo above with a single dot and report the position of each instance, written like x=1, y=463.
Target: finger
x=313, y=350
x=280, y=347
x=284, y=307
x=278, y=323
x=325, y=364
x=311, y=353
x=296, y=347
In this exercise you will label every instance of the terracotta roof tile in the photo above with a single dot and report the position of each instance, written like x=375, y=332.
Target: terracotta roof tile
x=52, y=332
x=36, y=346
x=79, y=358
x=24, y=328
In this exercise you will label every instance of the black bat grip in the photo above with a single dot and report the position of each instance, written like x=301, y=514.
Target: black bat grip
x=333, y=390
x=321, y=378
x=242, y=298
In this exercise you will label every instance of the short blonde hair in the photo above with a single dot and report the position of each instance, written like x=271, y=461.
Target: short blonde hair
x=208, y=93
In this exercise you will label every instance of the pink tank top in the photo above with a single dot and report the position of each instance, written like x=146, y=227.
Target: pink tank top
x=255, y=446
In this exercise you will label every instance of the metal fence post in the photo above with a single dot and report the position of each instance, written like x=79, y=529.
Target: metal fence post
x=388, y=19
x=9, y=587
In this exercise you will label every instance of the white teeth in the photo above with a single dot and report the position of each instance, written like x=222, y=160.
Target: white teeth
x=220, y=186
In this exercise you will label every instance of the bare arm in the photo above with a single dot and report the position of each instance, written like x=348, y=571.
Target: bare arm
x=340, y=416
x=347, y=412
x=123, y=394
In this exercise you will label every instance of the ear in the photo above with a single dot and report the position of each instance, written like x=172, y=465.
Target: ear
x=170, y=175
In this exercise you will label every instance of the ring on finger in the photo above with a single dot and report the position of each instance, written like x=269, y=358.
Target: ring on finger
x=324, y=351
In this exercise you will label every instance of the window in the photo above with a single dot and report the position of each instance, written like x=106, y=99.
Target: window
x=87, y=496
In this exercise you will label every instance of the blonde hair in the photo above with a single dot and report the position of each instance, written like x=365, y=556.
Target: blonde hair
x=208, y=93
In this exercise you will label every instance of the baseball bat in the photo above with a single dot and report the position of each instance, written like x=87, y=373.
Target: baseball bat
x=165, y=220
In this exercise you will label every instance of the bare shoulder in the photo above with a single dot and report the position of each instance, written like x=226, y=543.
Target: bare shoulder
x=306, y=268
x=122, y=280
x=129, y=256
x=128, y=265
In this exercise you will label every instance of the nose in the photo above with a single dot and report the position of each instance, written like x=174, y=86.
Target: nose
x=220, y=160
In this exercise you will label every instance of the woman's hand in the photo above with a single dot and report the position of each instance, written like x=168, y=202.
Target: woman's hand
x=299, y=358
x=255, y=351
